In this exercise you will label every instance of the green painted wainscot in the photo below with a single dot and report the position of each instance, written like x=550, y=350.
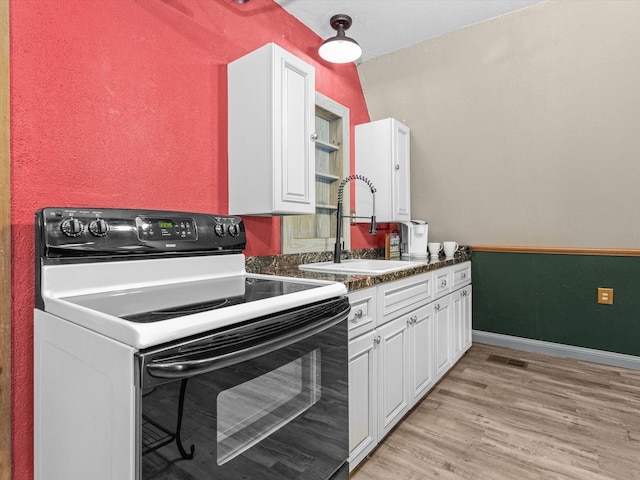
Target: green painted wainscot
x=553, y=298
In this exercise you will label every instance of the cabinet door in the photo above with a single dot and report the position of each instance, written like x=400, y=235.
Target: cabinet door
x=294, y=122
x=421, y=352
x=363, y=390
x=393, y=400
x=383, y=156
x=271, y=159
x=467, y=312
x=442, y=326
x=457, y=320
x=401, y=191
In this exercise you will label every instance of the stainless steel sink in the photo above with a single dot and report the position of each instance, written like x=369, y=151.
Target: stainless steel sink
x=362, y=266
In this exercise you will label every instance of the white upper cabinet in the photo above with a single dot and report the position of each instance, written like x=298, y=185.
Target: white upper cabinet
x=383, y=156
x=271, y=124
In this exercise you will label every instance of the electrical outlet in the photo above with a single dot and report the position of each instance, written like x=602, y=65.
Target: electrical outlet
x=605, y=296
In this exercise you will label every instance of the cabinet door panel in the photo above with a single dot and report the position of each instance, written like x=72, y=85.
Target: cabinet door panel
x=401, y=179
x=442, y=335
x=393, y=398
x=298, y=165
x=457, y=320
x=422, y=371
x=402, y=296
x=467, y=319
x=363, y=387
x=271, y=161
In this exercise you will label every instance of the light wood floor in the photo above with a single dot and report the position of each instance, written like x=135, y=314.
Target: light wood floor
x=555, y=419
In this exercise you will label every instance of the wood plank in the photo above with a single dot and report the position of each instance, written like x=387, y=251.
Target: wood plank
x=624, y=252
x=5, y=250
x=555, y=418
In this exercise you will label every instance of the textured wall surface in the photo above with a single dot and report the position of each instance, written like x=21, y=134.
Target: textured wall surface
x=524, y=128
x=123, y=104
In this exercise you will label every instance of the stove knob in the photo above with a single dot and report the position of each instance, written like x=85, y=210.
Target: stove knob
x=219, y=229
x=71, y=227
x=234, y=230
x=99, y=228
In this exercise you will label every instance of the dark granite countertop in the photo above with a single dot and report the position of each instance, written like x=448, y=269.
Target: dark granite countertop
x=287, y=266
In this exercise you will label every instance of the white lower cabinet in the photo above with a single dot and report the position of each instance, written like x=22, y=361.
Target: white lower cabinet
x=461, y=321
x=394, y=360
x=443, y=336
x=363, y=397
x=421, y=353
x=393, y=390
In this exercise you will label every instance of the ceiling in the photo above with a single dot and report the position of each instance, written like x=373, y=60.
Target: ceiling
x=383, y=26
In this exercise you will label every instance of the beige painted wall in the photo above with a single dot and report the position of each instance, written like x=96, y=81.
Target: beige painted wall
x=526, y=128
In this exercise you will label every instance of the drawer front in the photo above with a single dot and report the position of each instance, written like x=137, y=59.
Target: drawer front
x=460, y=275
x=362, y=317
x=401, y=296
x=442, y=282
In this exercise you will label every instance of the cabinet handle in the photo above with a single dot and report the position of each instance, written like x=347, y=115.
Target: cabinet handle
x=377, y=339
x=463, y=275
x=359, y=313
x=414, y=319
x=443, y=283
x=314, y=136
x=397, y=166
x=437, y=307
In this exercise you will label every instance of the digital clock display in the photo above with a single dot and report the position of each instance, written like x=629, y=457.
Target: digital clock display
x=166, y=229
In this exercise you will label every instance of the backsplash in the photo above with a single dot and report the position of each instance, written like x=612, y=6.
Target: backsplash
x=285, y=262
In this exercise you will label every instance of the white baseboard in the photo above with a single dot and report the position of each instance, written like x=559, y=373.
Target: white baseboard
x=558, y=349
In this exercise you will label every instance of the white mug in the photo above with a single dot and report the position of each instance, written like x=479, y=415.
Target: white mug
x=450, y=248
x=435, y=249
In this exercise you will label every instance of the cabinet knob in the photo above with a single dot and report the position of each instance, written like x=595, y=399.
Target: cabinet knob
x=437, y=307
x=414, y=319
x=397, y=167
x=377, y=339
x=314, y=136
x=359, y=313
x=463, y=275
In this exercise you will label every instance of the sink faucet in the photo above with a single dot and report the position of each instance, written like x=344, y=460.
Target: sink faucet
x=339, y=216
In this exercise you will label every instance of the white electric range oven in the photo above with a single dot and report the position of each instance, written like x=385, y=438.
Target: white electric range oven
x=156, y=356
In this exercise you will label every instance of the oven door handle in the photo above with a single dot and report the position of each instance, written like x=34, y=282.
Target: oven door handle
x=184, y=367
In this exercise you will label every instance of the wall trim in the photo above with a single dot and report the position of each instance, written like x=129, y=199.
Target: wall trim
x=5, y=249
x=625, y=252
x=557, y=349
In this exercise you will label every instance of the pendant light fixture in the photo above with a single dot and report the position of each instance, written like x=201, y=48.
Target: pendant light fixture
x=340, y=49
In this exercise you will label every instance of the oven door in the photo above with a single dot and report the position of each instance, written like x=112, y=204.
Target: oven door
x=264, y=400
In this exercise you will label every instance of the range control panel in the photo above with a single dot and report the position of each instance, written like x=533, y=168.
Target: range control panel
x=73, y=232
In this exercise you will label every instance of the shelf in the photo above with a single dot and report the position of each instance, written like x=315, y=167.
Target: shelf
x=327, y=176
x=326, y=207
x=327, y=146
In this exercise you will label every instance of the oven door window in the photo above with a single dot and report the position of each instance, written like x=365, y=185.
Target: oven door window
x=282, y=415
x=251, y=411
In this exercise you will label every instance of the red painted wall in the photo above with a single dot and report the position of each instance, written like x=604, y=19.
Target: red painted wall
x=123, y=104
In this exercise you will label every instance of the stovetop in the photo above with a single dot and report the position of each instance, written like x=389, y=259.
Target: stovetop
x=164, y=302
x=145, y=277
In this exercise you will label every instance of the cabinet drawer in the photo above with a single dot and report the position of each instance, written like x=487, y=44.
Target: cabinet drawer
x=441, y=282
x=362, y=317
x=460, y=275
x=401, y=296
